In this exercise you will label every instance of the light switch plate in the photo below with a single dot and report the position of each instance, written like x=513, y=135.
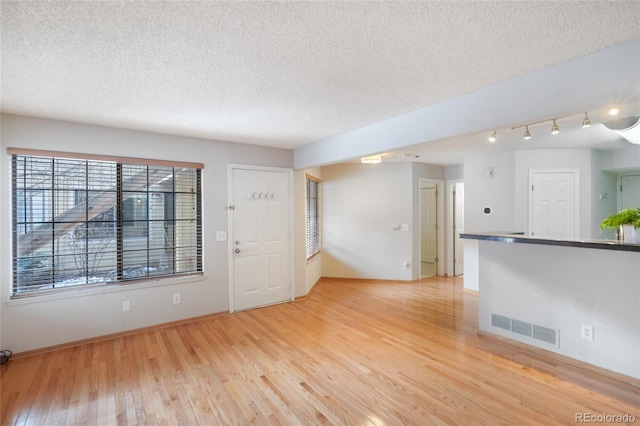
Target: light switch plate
x=405, y=228
x=221, y=236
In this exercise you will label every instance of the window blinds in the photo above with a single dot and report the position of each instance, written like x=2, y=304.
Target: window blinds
x=313, y=216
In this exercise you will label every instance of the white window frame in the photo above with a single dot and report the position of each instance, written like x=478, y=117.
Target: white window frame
x=194, y=266
x=313, y=217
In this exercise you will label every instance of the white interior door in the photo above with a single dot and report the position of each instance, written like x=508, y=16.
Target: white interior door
x=428, y=224
x=458, y=228
x=629, y=191
x=261, y=229
x=553, y=204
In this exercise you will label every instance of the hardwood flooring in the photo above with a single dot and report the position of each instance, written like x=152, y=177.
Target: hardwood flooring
x=353, y=353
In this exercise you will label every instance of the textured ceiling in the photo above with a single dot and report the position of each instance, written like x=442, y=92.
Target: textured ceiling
x=280, y=74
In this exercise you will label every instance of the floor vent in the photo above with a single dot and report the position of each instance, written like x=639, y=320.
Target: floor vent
x=501, y=322
x=521, y=327
x=544, y=334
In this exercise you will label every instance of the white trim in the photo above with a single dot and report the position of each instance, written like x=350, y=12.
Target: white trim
x=619, y=185
x=576, y=196
x=106, y=288
x=449, y=224
x=231, y=239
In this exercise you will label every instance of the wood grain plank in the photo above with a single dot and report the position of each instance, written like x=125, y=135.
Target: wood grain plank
x=353, y=352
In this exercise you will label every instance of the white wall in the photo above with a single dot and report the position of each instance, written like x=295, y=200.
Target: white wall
x=526, y=160
x=497, y=192
x=621, y=160
x=361, y=203
x=508, y=191
x=563, y=288
x=603, y=195
x=307, y=272
x=42, y=322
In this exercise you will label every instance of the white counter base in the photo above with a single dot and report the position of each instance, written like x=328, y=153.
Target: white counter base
x=562, y=288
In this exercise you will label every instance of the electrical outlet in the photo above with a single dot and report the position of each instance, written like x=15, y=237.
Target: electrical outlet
x=176, y=298
x=126, y=306
x=405, y=265
x=586, y=332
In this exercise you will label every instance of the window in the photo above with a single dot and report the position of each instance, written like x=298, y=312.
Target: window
x=91, y=220
x=313, y=216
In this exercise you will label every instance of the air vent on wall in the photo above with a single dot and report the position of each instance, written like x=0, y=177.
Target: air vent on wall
x=538, y=332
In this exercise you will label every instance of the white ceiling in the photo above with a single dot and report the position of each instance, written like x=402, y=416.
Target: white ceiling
x=286, y=74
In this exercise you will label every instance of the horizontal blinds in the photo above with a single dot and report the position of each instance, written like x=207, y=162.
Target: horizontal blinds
x=313, y=216
x=83, y=221
x=96, y=157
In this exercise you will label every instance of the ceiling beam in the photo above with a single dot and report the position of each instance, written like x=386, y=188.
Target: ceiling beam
x=606, y=77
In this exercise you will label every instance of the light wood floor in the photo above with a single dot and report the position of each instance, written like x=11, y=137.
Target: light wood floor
x=353, y=353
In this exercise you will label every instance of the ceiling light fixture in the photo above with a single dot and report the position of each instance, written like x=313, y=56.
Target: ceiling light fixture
x=555, y=129
x=374, y=159
x=493, y=136
x=614, y=111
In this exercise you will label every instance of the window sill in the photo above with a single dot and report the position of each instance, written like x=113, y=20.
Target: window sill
x=104, y=289
x=314, y=257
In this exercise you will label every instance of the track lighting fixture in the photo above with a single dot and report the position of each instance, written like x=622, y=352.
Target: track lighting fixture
x=555, y=129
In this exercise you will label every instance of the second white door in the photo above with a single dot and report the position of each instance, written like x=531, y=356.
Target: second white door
x=554, y=204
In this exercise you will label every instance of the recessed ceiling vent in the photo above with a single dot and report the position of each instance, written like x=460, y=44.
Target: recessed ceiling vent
x=628, y=128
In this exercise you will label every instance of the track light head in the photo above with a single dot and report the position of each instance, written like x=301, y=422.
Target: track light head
x=493, y=137
x=555, y=129
x=586, y=122
x=527, y=133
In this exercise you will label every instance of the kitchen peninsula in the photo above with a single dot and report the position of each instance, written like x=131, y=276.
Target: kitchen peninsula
x=578, y=298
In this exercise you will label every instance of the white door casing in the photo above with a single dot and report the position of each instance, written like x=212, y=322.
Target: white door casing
x=428, y=224
x=629, y=187
x=260, y=238
x=554, y=203
x=458, y=228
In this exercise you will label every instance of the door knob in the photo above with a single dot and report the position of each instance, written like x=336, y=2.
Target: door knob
x=237, y=250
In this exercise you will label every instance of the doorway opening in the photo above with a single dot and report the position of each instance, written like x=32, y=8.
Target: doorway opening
x=457, y=219
x=430, y=231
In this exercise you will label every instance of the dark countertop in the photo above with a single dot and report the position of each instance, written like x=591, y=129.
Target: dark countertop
x=519, y=237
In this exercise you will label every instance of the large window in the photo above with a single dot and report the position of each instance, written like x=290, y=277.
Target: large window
x=313, y=216
x=90, y=220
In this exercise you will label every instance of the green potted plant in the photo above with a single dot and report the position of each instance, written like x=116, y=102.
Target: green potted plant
x=624, y=223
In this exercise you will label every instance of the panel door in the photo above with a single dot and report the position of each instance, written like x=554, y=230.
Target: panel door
x=553, y=209
x=630, y=192
x=261, y=238
x=428, y=225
